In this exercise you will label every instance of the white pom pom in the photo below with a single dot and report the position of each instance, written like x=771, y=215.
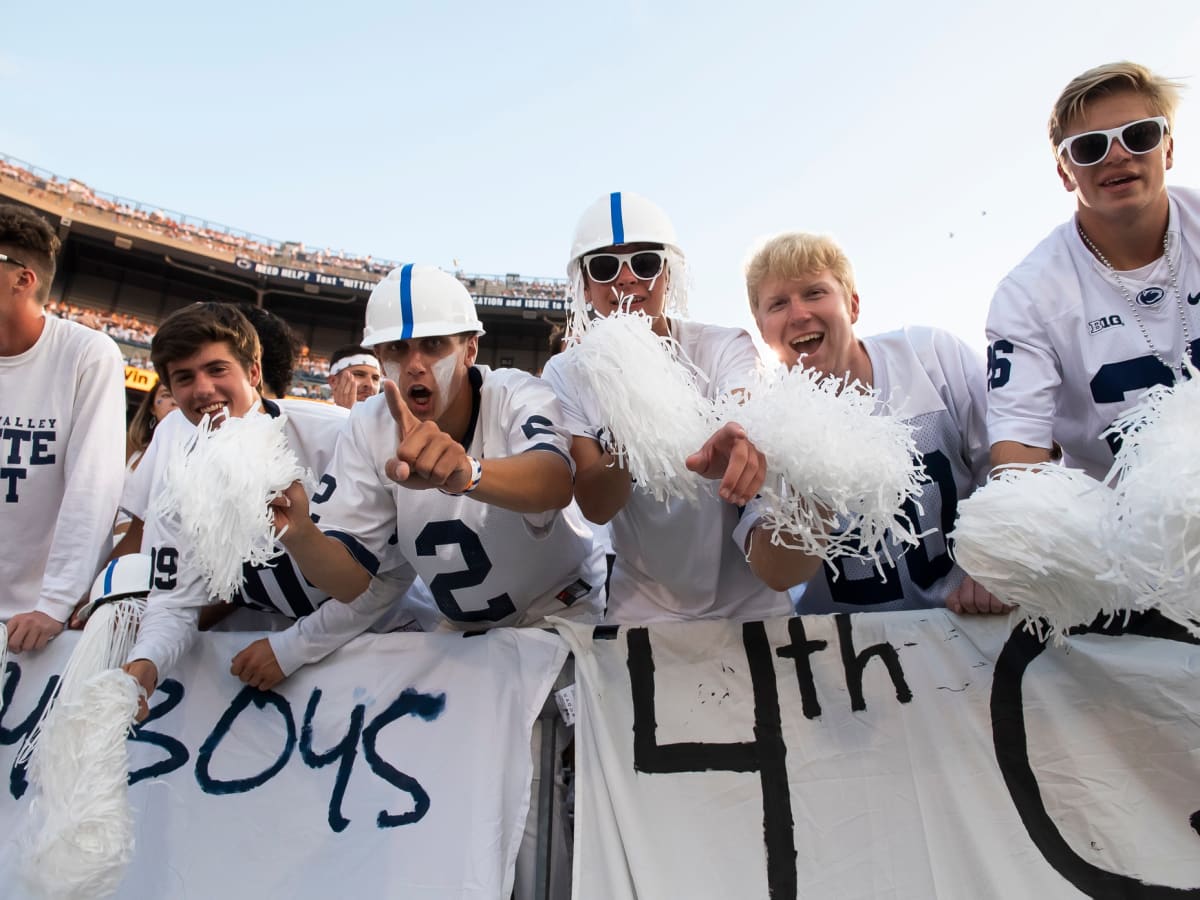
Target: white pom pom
x=105, y=643
x=1032, y=536
x=1156, y=525
x=650, y=399
x=80, y=823
x=838, y=476
x=218, y=485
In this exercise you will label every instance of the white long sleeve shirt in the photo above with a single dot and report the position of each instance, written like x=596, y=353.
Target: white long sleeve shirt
x=62, y=463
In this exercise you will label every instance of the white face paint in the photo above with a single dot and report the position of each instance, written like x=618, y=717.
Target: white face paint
x=443, y=375
x=391, y=370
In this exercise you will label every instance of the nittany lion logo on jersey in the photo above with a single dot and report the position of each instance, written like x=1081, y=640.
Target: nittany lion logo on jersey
x=1151, y=296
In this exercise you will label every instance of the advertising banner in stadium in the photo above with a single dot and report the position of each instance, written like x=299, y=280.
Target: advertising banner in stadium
x=886, y=755
x=306, y=276
x=400, y=767
x=140, y=379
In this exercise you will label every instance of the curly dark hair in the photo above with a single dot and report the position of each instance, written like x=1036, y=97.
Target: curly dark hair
x=279, y=348
x=29, y=237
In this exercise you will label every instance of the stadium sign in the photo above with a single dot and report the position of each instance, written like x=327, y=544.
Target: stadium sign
x=523, y=303
x=140, y=379
x=307, y=276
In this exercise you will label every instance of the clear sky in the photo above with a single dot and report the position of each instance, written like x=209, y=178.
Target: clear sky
x=477, y=133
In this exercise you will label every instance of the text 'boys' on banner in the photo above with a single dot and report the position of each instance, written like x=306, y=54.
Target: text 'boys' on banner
x=400, y=766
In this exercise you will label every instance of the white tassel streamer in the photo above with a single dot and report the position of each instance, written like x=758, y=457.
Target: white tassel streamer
x=105, y=643
x=80, y=836
x=218, y=485
x=838, y=476
x=1156, y=523
x=651, y=401
x=1033, y=537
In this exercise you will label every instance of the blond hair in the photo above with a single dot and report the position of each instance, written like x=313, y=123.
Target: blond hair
x=1161, y=93
x=795, y=254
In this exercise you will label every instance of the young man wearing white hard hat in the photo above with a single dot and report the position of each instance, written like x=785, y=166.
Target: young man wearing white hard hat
x=462, y=472
x=459, y=470
x=674, y=560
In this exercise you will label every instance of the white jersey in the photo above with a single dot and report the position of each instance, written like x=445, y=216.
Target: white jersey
x=1066, y=356
x=484, y=565
x=177, y=593
x=933, y=381
x=62, y=462
x=136, y=496
x=675, y=560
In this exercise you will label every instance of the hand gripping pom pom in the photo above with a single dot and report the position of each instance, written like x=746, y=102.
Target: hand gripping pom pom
x=1031, y=537
x=105, y=643
x=80, y=826
x=1157, y=503
x=218, y=486
x=657, y=418
x=838, y=476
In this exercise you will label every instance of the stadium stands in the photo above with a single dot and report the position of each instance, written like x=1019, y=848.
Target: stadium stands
x=130, y=264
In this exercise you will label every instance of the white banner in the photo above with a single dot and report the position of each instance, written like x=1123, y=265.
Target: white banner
x=398, y=767
x=900, y=755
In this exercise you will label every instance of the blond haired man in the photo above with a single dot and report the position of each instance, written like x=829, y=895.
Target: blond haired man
x=1105, y=306
x=803, y=297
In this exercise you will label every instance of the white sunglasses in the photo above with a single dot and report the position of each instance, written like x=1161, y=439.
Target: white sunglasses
x=605, y=267
x=1138, y=138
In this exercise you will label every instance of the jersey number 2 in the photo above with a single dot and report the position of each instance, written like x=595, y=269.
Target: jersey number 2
x=454, y=531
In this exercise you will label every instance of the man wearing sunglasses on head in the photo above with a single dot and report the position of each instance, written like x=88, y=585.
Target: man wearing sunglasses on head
x=674, y=560
x=1105, y=307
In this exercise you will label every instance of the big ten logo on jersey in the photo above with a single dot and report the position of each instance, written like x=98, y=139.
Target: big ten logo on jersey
x=24, y=442
x=1104, y=322
x=253, y=740
x=932, y=516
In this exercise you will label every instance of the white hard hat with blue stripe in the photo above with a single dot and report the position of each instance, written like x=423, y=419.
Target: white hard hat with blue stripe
x=613, y=220
x=418, y=301
x=123, y=578
x=621, y=218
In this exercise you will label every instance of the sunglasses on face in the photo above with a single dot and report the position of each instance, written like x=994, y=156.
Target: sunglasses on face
x=605, y=267
x=1138, y=137
x=15, y=262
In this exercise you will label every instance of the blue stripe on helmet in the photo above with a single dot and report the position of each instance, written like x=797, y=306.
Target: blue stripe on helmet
x=108, y=575
x=406, y=313
x=618, y=223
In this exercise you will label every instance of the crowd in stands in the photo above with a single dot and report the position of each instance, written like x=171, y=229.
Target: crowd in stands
x=220, y=238
x=133, y=335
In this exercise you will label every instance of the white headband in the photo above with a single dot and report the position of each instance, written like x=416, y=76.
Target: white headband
x=361, y=359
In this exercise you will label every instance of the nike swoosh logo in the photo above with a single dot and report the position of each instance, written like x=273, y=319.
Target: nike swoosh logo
x=1194, y=299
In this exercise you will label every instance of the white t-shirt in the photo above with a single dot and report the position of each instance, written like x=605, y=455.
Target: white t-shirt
x=675, y=559
x=484, y=565
x=138, y=492
x=62, y=462
x=169, y=625
x=1066, y=356
x=935, y=382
